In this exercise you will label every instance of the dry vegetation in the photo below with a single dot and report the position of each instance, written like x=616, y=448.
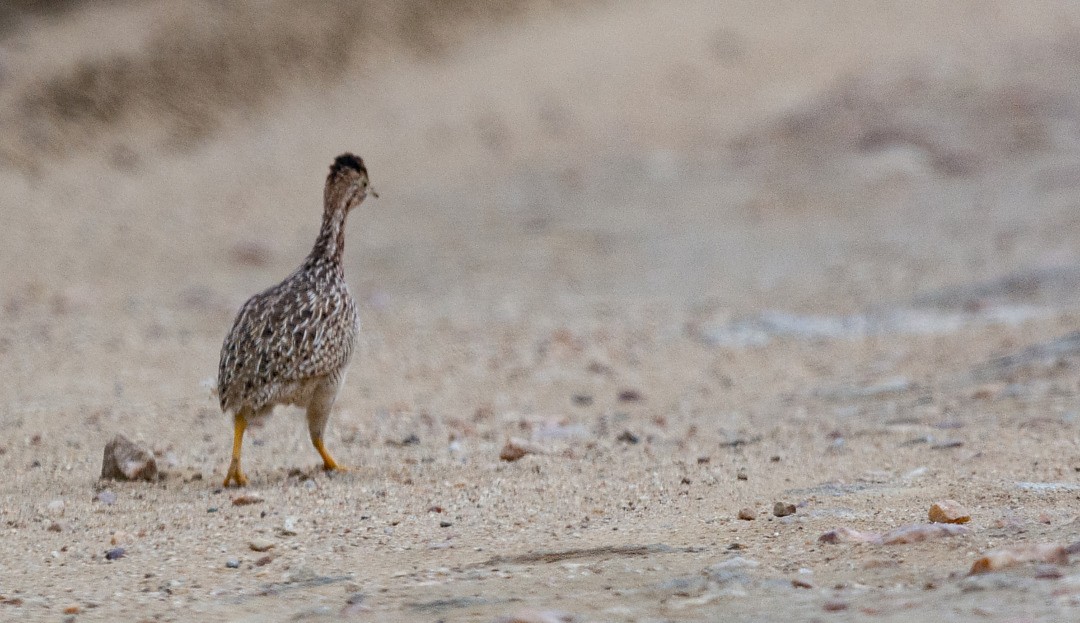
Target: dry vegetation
x=215, y=60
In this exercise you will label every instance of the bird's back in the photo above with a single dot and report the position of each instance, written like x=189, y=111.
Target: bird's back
x=301, y=329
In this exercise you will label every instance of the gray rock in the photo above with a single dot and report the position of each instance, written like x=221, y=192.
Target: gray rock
x=123, y=460
x=994, y=582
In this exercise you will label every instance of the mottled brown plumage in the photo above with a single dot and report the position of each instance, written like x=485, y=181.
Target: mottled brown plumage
x=291, y=344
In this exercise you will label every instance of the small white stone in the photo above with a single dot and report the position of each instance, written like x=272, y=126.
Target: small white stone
x=288, y=526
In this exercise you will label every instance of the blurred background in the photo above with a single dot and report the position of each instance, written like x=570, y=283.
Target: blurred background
x=161, y=161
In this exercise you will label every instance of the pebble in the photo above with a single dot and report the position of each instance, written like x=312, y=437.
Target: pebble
x=516, y=448
x=56, y=507
x=582, y=400
x=288, y=526
x=411, y=439
x=628, y=437
x=232, y=563
x=124, y=460
x=512, y=451
x=115, y=553
x=949, y=511
x=747, y=514
x=246, y=499
x=783, y=509
x=261, y=545
x=834, y=605
x=946, y=444
x=55, y=527
x=106, y=497
x=1018, y=554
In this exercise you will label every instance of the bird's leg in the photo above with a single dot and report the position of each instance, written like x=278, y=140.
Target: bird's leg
x=318, y=413
x=234, y=474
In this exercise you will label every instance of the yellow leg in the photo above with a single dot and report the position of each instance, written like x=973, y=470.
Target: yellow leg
x=235, y=475
x=329, y=464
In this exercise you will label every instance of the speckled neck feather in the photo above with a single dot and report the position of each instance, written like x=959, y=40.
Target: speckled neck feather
x=330, y=245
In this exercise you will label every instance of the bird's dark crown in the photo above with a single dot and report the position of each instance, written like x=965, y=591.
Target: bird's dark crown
x=348, y=161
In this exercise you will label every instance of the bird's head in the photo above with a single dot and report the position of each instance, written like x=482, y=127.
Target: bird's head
x=347, y=184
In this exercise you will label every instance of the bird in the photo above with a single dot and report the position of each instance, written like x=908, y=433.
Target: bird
x=291, y=344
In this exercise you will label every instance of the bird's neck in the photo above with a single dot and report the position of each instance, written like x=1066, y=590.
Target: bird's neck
x=331, y=241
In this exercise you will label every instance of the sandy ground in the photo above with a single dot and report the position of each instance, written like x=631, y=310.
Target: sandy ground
x=702, y=256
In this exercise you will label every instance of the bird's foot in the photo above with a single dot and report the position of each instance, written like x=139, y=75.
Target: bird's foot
x=329, y=464
x=235, y=475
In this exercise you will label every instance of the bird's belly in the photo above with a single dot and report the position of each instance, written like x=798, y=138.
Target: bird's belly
x=299, y=394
